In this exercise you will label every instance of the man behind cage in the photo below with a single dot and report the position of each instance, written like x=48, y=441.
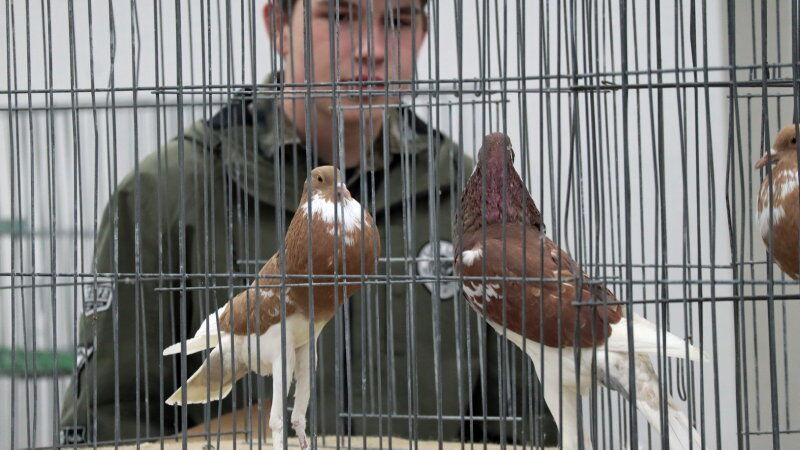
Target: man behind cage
x=220, y=212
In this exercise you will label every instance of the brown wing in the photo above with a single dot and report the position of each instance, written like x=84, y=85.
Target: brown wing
x=340, y=256
x=785, y=219
x=534, y=216
x=258, y=307
x=550, y=316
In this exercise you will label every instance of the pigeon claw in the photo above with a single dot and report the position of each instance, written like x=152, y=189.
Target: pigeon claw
x=299, y=427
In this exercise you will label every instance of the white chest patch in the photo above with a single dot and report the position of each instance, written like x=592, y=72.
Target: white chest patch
x=346, y=213
x=763, y=219
x=469, y=257
x=210, y=325
x=477, y=292
x=787, y=182
x=784, y=182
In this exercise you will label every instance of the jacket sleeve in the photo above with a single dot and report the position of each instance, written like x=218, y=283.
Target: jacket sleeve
x=149, y=225
x=121, y=376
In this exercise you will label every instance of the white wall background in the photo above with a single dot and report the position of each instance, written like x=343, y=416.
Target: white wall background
x=777, y=37
x=84, y=174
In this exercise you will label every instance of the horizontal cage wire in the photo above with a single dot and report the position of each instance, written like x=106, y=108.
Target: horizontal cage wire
x=399, y=223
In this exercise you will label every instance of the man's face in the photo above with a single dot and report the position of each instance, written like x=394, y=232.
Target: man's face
x=363, y=43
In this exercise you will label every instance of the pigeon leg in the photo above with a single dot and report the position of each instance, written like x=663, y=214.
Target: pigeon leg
x=560, y=393
x=302, y=393
x=556, y=372
x=276, y=410
x=564, y=401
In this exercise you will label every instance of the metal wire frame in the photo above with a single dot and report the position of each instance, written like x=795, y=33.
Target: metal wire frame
x=454, y=85
x=344, y=280
x=604, y=123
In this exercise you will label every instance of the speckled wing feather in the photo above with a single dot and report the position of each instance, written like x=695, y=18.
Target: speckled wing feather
x=785, y=218
x=550, y=316
x=263, y=304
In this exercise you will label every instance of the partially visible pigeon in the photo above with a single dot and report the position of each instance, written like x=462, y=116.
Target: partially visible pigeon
x=340, y=235
x=492, y=256
x=784, y=217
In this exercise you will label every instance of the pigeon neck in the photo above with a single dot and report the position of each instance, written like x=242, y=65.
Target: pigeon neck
x=787, y=160
x=503, y=201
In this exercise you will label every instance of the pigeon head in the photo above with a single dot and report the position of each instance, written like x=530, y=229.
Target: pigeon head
x=495, y=149
x=506, y=198
x=326, y=182
x=785, y=144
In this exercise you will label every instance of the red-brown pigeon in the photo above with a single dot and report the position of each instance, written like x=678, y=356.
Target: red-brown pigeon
x=340, y=235
x=492, y=257
x=784, y=218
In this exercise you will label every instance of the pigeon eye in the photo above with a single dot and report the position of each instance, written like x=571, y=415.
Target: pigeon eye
x=319, y=178
x=794, y=140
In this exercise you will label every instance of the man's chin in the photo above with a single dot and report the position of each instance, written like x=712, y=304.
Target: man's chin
x=357, y=107
x=367, y=99
x=367, y=114
x=354, y=108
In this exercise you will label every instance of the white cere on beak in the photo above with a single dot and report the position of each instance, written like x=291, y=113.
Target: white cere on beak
x=341, y=188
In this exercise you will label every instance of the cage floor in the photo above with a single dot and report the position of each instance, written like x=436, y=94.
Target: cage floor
x=329, y=442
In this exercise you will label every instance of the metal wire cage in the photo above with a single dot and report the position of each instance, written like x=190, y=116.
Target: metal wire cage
x=132, y=203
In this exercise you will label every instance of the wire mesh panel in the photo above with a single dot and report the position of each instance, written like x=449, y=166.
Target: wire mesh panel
x=159, y=161
x=764, y=335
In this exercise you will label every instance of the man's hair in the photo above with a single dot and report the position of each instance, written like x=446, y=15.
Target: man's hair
x=287, y=5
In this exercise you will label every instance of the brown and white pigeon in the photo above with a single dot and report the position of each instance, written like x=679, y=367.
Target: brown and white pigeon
x=491, y=247
x=784, y=218
x=340, y=235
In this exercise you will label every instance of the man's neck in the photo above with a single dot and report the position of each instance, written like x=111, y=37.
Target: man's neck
x=355, y=134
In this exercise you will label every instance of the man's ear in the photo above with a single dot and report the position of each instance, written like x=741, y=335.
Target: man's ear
x=277, y=25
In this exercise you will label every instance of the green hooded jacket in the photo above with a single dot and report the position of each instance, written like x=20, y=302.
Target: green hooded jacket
x=183, y=233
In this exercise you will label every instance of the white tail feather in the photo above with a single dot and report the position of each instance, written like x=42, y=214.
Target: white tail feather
x=647, y=339
x=194, y=345
x=207, y=336
x=681, y=436
x=559, y=393
x=212, y=381
x=196, y=392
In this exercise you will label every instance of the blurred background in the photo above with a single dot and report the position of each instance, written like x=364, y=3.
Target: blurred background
x=656, y=179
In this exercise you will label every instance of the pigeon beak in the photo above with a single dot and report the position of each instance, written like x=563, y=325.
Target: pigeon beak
x=341, y=188
x=771, y=157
